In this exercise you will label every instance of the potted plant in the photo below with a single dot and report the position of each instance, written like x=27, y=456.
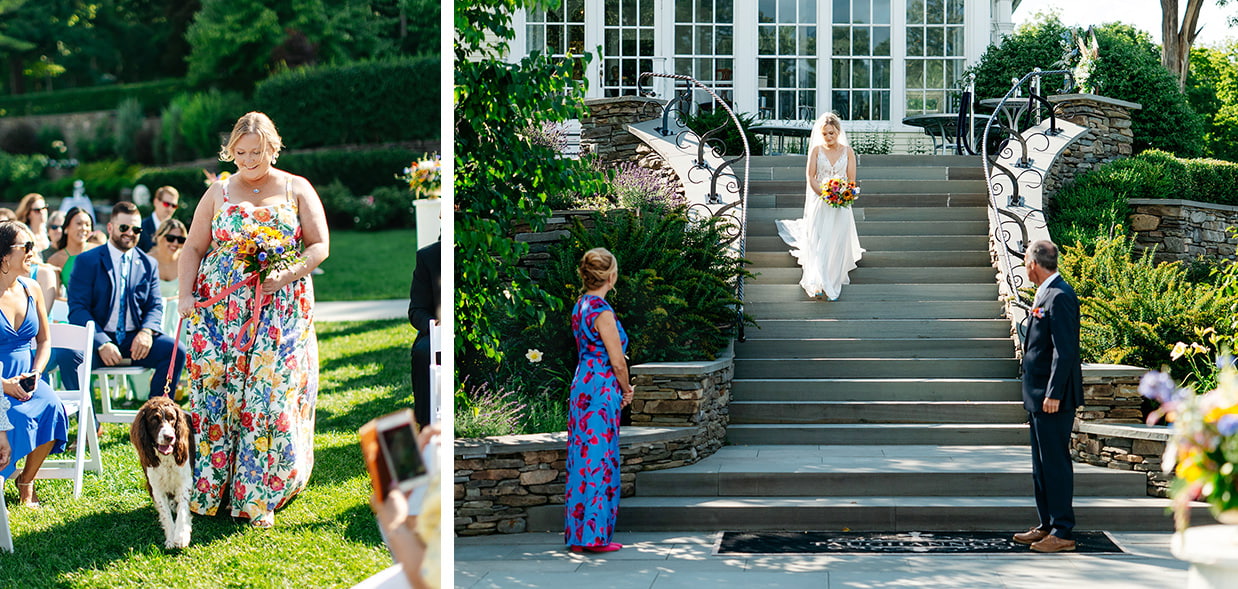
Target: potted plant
x=425, y=184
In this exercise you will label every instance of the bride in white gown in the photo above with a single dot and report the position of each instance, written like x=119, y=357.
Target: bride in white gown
x=824, y=240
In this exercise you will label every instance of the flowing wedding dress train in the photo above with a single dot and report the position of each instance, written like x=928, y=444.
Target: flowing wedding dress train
x=824, y=241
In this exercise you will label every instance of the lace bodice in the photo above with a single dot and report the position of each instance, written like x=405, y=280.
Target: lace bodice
x=826, y=169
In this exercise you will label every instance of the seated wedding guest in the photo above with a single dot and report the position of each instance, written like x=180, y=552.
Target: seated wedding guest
x=39, y=425
x=7, y=214
x=55, y=228
x=169, y=240
x=32, y=210
x=412, y=539
x=423, y=307
x=166, y=201
x=117, y=287
x=77, y=228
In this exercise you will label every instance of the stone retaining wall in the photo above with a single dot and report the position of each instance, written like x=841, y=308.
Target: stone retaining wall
x=498, y=479
x=604, y=134
x=1109, y=430
x=557, y=227
x=1110, y=138
x=1184, y=229
x=679, y=416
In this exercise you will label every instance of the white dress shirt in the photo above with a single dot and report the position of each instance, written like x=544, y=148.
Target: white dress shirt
x=1040, y=290
x=117, y=283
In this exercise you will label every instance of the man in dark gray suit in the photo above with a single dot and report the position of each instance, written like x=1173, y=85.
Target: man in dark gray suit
x=1052, y=389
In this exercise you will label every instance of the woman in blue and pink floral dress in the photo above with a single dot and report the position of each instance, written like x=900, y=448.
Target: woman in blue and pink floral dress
x=253, y=363
x=600, y=390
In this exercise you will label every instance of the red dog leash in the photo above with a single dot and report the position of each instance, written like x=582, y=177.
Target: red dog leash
x=250, y=325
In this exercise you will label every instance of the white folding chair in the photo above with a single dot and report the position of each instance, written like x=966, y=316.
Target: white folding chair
x=6, y=536
x=79, y=339
x=105, y=374
x=436, y=367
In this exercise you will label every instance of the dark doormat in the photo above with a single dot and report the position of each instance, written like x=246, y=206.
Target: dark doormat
x=768, y=543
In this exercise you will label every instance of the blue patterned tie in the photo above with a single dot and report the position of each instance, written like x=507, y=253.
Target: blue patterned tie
x=123, y=271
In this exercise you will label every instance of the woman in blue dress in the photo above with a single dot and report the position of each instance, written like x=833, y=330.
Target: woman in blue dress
x=600, y=389
x=38, y=421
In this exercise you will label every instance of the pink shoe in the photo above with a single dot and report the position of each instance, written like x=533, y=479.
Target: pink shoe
x=613, y=546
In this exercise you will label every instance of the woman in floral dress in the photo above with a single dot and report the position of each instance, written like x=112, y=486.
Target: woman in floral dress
x=599, y=390
x=253, y=363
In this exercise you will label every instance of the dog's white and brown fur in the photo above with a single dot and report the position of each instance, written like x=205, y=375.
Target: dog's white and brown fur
x=161, y=434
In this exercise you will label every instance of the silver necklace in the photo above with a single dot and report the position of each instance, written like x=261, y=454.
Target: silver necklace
x=256, y=190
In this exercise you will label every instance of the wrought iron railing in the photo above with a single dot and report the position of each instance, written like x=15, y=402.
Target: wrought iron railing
x=1014, y=120
x=735, y=214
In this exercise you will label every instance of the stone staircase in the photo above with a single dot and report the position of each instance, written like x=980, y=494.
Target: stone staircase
x=896, y=407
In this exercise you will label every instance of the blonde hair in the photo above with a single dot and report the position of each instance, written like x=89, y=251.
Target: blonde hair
x=830, y=119
x=27, y=205
x=169, y=190
x=598, y=266
x=259, y=124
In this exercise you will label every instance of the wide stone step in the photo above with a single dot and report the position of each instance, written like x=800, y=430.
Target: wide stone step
x=872, y=199
x=955, y=434
x=755, y=292
x=841, y=412
x=961, y=309
x=875, y=160
x=883, y=259
x=824, y=471
x=863, y=347
x=878, y=328
x=876, y=389
x=889, y=187
x=863, y=228
x=876, y=368
x=869, y=275
x=916, y=243
x=799, y=171
x=861, y=214
x=871, y=513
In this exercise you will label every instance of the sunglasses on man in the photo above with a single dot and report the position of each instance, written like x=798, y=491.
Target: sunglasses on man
x=170, y=205
x=137, y=229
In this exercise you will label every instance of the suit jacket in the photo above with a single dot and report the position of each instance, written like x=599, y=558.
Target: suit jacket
x=1051, y=365
x=423, y=295
x=147, y=239
x=91, y=288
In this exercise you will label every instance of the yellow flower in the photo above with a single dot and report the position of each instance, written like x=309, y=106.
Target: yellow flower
x=220, y=311
x=1197, y=348
x=262, y=443
x=203, y=448
x=1179, y=349
x=1217, y=413
x=1189, y=468
x=534, y=355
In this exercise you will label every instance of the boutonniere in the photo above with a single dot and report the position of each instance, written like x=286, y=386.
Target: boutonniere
x=1038, y=312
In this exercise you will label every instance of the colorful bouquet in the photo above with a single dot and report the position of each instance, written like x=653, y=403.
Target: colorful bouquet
x=424, y=177
x=1203, y=449
x=263, y=250
x=838, y=193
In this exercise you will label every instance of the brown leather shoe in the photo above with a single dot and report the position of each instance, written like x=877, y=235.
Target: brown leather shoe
x=1053, y=544
x=1031, y=536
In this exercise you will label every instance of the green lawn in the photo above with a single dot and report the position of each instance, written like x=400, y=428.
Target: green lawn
x=325, y=538
x=368, y=266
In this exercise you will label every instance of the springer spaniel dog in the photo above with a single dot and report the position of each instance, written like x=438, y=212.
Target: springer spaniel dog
x=161, y=434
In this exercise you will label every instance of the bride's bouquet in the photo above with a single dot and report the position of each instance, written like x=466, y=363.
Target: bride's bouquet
x=838, y=193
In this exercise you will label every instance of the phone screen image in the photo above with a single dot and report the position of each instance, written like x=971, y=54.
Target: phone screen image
x=403, y=458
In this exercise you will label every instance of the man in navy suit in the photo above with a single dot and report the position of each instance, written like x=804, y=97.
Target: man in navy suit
x=117, y=287
x=1052, y=389
x=423, y=307
x=166, y=199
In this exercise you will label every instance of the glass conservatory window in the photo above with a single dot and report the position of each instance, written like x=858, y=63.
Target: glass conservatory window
x=557, y=31
x=860, y=45
x=705, y=43
x=935, y=54
x=627, y=49
x=786, y=59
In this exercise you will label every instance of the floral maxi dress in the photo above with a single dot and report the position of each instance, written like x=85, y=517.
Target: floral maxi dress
x=253, y=411
x=592, y=490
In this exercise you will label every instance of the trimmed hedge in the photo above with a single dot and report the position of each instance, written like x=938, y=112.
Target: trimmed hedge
x=368, y=102
x=151, y=95
x=1088, y=208
x=361, y=172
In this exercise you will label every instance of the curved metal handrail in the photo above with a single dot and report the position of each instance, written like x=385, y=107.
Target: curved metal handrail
x=742, y=218
x=1007, y=223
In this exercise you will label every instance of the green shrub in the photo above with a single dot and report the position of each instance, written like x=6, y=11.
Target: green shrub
x=19, y=172
x=152, y=96
x=872, y=142
x=171, y=147
x=206, y=118
x=338, y=202
x=385, y=207
x=1093, y=204
x=367, y=102
x=361, y=170
x=105, y=179
x=1128, y=68
x=706, y=121
x=129, y=119
x=675, y=298
x=20, y=138
x=52, y=142
x=189, y=182
x=1134, y=310
x=97, y=145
